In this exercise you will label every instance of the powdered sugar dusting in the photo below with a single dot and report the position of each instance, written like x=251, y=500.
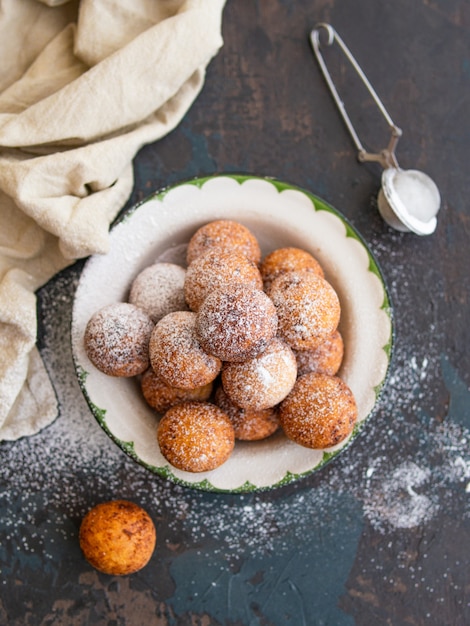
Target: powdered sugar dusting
x=73, y=458
x=308, y=308
x=117, y=339
x=396, y=500
x=284, y=260
x=177, y=356
x=196, y=436
x=404, y=452
x=320, y=412
x=159, y=289
x=236, y=322
x=224, y=234
x=213, y=270
x=326, y=359
x=265, y=380
x=249, y=425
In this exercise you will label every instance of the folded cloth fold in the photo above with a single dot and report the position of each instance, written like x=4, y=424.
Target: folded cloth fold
x=92, y=83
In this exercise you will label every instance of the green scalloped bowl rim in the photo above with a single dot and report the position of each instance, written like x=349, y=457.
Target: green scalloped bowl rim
x=248, y=487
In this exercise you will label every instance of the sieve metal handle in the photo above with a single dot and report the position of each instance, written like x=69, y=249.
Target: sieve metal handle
x=385, y=157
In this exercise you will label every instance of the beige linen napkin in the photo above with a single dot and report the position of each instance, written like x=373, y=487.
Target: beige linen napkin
x=83, y=86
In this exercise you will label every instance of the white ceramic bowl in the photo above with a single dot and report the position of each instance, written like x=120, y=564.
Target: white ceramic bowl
x=279, y=215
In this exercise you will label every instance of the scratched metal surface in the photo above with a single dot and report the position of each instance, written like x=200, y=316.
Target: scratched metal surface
x=381, y=534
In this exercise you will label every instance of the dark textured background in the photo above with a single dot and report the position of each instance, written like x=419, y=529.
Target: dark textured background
x=379, y=536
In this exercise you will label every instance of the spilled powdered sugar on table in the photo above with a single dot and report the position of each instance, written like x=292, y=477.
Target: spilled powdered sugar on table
x=393, y=497
x=59, y=468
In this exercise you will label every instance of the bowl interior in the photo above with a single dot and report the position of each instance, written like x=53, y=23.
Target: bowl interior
x=279, y=215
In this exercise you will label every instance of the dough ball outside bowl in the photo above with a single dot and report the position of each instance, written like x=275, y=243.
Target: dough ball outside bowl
x=284, y=260
x=161, y=396
x=319, y=412
x=326, y=359
x=263, y=381
x=196, y=436
x=117, y=537
x=117, y=339
x=213, y=270
x=249, y=424
x=236, y=323
x=308, y=309
x=176, y=354
x=224, y=234
x=159, y=289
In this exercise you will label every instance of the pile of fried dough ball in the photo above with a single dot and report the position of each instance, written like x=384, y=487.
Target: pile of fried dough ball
x=231, y=347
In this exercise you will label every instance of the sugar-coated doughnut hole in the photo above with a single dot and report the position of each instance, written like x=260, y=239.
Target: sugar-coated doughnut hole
x=159, y=289
x=262, y=381
x=225, y=234
x=284, y=260
x=326, y=359
x=117, y=537
x=308, y=309
x=215, y=269
x=249, y=424
x=319, y=412
x=176, y=354
x=236, y=322
x=196, y=436
x=161, y=396
x=117, y=339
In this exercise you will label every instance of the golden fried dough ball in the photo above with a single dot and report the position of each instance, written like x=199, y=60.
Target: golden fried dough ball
x=161, y=396
x=326, y=359
x=236, y=322
x=117, y=339
x=319, y=412
x=213, y=270
x=117, y=537
x=225, y=234
x=249, y=424
x=159, y=289
x=262, y=381
x=196, y=436
x=284, y=260
x=177, y=355
x=308, y=309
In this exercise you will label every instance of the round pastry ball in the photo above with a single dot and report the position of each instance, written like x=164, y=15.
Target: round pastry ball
x=117, y=339
x=117, y=537
x=236, y=323
x=161, y=396
x=196, y=436
x=225, y=234
x=263, y=381
x=177, y=355
x=159, y=290
x=249, y=424
x=319, y=412
x=284, y=260
x=326, y=359
x=308, y=309
x=213, y=270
